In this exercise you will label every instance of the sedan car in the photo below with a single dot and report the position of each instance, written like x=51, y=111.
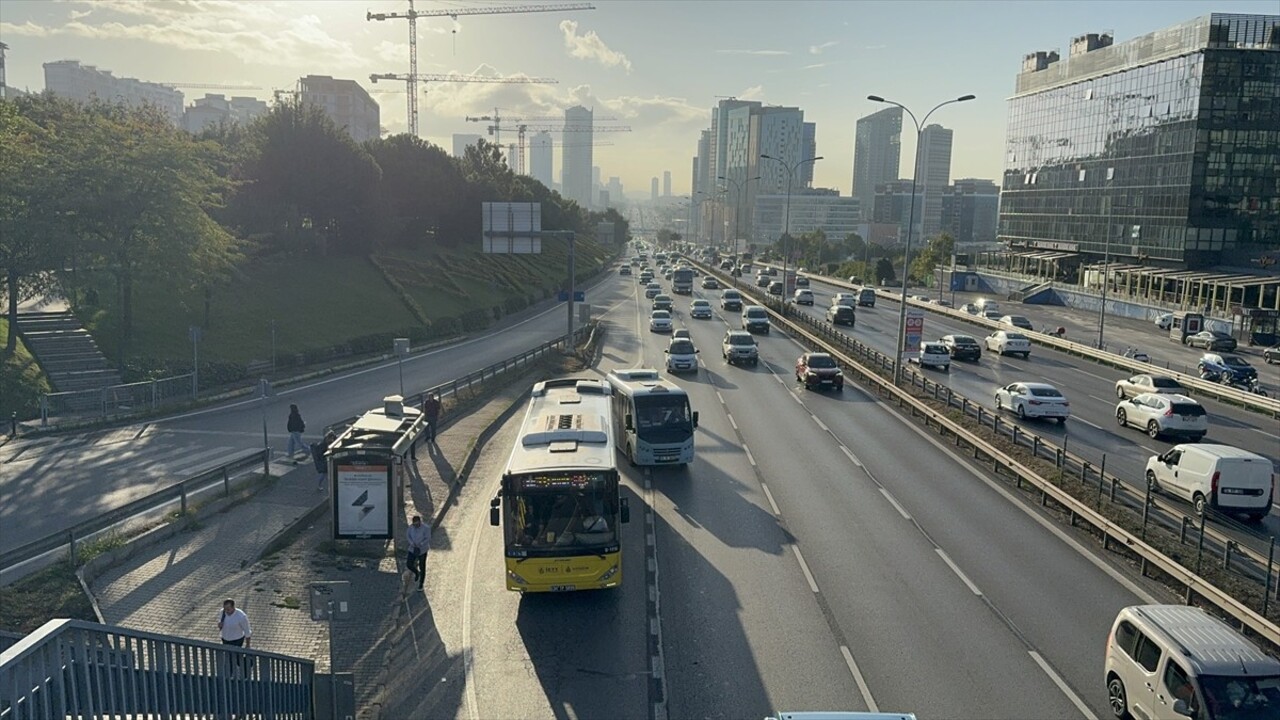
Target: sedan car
x=700, y=309
x=1158, y=414
x=660, y=321
x=1017, y=321
x=962, y=347
x=710, y=283
x=993, y=315
x=842, y=315
x=802, y=296
x=1146, y=383
x=762, y=279
x=1033, y=400
x=682, y=356
x=1004, y=342
x=624, y=270
x=652, y=290
x=817, y=370
x=1211, y=340
x=1164, y=321
x=1271, y=355
x=970, y=308
x=662, y=302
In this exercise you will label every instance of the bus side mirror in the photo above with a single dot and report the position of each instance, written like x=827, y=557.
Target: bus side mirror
x=626, y=422
x=493, y=511
x=626, y=510
x=695, y=418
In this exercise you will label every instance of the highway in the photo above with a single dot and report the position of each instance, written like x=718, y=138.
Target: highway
x=1092, y=431
x=818, y=554
x=49, y=484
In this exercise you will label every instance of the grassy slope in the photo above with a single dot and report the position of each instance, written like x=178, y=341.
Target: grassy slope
x=21, y=381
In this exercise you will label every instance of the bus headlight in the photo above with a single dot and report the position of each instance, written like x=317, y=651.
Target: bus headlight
x=609, y=573
x=516, y=578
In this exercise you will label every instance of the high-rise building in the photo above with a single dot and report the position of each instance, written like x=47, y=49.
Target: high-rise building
x=1160, y=150
x=891, y=205
x=540, y=158
x=969, y=210
x=70, y=79
x=653, y=190
x=811, y=209
x=576, y=157
x=934, y=176
x=211, y=110
x=616, y=197
x=666, y=183
x=346, y=103
x=750, y=131
x=4, y=85
x=461, y=141
x=876, y=154
x=808, y=149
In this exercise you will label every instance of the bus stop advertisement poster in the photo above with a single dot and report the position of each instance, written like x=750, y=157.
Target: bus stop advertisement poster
x=363, y=501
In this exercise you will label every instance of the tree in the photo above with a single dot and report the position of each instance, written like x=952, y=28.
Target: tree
x=884, y=271
x=419, y=190
x=936, y=252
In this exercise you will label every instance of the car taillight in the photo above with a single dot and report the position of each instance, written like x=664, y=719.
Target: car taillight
x=1213, y=486
x=1169, y=412
x=1035, y=402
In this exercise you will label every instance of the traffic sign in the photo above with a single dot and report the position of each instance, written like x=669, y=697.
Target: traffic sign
x=915, y=330
x=578, y=296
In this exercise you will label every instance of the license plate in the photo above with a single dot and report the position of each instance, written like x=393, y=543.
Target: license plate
x=1186, y=418
x=563, y=588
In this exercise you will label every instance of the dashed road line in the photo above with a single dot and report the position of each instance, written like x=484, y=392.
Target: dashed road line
x=804, y=567
x=1062, y=685
x=732, y=421
x=750, y=458
x=894, y=502
x=820, y=423
x=857, y=678
x=852, y=458
x=720, y=397
x=657, y=659
x=769, y=496
x=1092, y=425
x=959, y=573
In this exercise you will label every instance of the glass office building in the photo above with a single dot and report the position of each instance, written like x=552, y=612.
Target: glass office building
x=1168, y=145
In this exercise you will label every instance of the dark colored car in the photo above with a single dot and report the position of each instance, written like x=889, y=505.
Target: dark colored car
x=841, y=315
x=1212, y=340
x=802, y=281
x=818, y=370
x=1214, y=365
x=962, y=347
x=775, y=288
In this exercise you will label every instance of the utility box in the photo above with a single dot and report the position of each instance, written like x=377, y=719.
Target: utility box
x=334, y=696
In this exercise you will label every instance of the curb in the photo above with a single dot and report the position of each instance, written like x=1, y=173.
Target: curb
x=285, y=535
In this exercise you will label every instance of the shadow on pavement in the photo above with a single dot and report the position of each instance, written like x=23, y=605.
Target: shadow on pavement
x=424, y=679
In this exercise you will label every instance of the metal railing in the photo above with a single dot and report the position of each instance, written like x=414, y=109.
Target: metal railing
x=79, y=669
x=180, y=493
x=116, y=400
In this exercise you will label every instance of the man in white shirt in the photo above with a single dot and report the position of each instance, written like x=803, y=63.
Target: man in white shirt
x=233, y=626
x=419, y=539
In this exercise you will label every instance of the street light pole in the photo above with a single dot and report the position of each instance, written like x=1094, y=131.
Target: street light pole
x=1106, y=256
x=786, y=222
x=737, y=209
x=906, y=255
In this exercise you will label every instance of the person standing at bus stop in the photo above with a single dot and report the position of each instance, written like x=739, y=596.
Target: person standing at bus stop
x=296, y=427
x=431, y=408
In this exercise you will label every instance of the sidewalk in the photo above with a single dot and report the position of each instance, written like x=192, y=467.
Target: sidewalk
x=177, y=586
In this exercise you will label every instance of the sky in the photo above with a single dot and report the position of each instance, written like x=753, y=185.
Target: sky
x=657, y=66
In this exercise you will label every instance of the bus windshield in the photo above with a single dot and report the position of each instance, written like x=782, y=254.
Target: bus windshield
x=663, y=419
x=562, y=513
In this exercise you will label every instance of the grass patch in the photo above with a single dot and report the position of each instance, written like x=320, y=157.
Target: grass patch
x=369, y=549
x=21, y=382
x=290, y=602
x=53, y=592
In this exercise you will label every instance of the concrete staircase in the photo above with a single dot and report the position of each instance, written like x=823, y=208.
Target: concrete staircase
x=67, y=353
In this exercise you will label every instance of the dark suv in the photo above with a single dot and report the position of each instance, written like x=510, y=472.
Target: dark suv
x=841, y=315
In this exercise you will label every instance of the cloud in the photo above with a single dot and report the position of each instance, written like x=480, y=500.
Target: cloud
x=753, y=52
x=815, y=66
x=589, y=46
x=27, y=29
x=875, y=47
x=817, y=49
x=755, y=92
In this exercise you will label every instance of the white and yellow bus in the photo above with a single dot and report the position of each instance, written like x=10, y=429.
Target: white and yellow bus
x=652, y=418
x=559, y=505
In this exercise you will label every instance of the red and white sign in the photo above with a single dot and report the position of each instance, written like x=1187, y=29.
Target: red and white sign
x=914, y=331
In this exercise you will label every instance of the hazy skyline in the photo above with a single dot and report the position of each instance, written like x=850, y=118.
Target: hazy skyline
x=656, y=65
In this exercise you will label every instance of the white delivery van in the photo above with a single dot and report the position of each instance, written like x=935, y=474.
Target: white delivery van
x=1220, y=476
x=1173, y=662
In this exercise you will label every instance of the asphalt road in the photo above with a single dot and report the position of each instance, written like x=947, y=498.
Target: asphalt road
x=50, y=484
x=818, y=554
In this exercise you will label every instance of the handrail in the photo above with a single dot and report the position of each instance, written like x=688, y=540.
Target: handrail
x=1242, y=613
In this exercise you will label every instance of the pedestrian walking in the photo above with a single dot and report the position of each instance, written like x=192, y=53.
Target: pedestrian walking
x=296, y=427
x=233, y=626
x=431, y=408
x=419, y=537
x=318, y=450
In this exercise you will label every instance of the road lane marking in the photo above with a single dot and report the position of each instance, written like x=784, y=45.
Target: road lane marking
x=895, y=504
x=468, y=651
x=1062, y=685
x=852, y=458
x=719, y=397
x=769, y=496
x=959, y=573
x=731, y=421
x=796, y=397
x=750, y=458
x=1102, y=400
x=820, y=423
x=804, y=566
x=861, y=681
x=1086, y=372
x=657, y=658
x=1092, y=425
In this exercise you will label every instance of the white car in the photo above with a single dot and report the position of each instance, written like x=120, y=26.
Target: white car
x=1159, y=414
x=932, y=354
x=1004, y=342
x=681, y=333
x=802, y=296
x=682, y=356
x=1164, y=321
x=1033, y=400
x=652, y=290
x=844, y=298
x=970, y=308
x=660, y=321
x=1139, y=384
x=700, y=309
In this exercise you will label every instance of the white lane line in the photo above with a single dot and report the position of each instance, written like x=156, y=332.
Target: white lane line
x=731, y=421
x=1102, y=400
x=1086, y=372
x=750, y=458
x=1062, y=685
x=778, y=378
x=861, y=681
x=797, y=399
x=468, y=651
x=956, y=569
x=852, y=458
x=719, y=397
x=1263, y=432
x=804, y=566
x=1092, y=425
x=772, y=504
x=895, y=504
x=820, y=423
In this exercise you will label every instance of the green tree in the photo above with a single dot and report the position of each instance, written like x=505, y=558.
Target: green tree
x=419, y=190
x=936, y=252
x=884, y=271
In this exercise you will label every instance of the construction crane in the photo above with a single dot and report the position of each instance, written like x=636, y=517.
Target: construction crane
x=208, y=86
x=413, y=15
x=517, y=150
x=411, y=84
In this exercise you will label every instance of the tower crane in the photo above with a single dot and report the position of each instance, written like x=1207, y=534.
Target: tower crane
x=413, y=15
x=518, y=149
x=208, y=86
x=411, y=81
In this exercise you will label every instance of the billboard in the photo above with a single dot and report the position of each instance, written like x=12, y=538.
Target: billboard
x=914, y=331
x=512, y=228
x=362, y=498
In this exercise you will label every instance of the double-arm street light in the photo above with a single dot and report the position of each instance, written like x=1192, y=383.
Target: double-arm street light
x=911, y=221
x=712, y=197
x=786, y=223
x=737, y=209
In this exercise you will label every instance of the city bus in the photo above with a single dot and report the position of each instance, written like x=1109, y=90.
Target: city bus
x=559, y=506
x=652, y=418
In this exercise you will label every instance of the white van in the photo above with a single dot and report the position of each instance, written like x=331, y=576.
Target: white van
x=1223, y=477
x=1171, y=662
x=986, y=305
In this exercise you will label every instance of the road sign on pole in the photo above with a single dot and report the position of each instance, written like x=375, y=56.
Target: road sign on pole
x=914, y=331
x=578, y=296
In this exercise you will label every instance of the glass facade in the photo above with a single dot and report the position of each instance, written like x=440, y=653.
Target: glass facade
x=1169, y=144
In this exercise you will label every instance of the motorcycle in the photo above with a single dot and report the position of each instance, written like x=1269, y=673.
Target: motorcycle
x=1136, y=354
x=1251, y=385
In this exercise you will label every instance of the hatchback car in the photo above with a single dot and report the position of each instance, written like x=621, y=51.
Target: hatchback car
x=843, y=298
x=755, y=319
x=682, y=356
x=802, y=296
x=1033, y=400
x=962, y=347
x=739, y=346
x=842, y=315
x=1214, y=366
x=1147, y=383
x=652, y=290
x=1211, y=340
x=1003, y=342
x=932, y=354
x=1158, y=414
x=1017, y=321
x=710, y=283
x=775, y=288
x=662, y=302
x=802, y=281
x=700, y=309
x=660, y=321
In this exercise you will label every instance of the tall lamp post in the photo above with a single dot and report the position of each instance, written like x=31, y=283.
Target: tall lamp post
x=737, y=209
x=906, y=256
x=1106, y=257
x=786, y=222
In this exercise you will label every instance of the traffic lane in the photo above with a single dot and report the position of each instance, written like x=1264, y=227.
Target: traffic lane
x=922, y=640
x=734, y=601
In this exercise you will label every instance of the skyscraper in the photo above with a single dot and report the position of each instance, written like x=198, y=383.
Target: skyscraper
x=540, y=158
x=666, y=183
x=653, y=190
x=934, y=176
x=876, y=155
x=808, y=149
x=576, y=157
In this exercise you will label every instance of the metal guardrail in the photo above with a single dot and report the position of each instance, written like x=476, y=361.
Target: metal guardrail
x=179, y=492
x=116, y=400
x=79, y=669
x=848, y=348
